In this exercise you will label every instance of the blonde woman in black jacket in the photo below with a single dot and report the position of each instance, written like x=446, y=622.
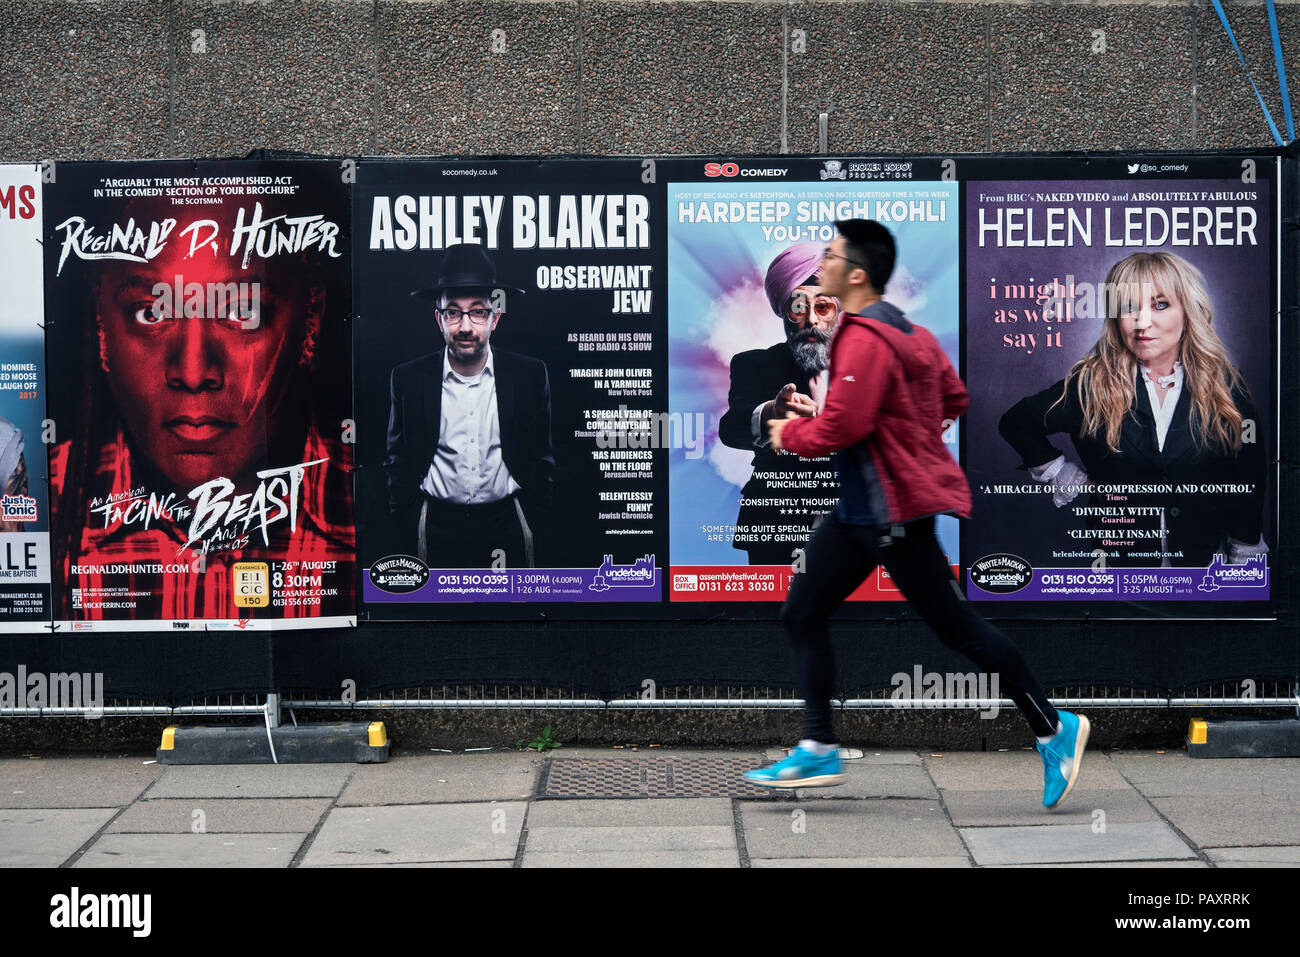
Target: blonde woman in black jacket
x=1155, y=402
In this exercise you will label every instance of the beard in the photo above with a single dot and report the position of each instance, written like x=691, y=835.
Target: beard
x=810, y=355
x=469, y=350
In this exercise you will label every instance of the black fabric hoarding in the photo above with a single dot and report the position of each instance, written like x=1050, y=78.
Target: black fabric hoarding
x=741, y=642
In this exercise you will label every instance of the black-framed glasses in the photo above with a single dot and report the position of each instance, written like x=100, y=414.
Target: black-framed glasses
x=827, y=254
x=478, y=315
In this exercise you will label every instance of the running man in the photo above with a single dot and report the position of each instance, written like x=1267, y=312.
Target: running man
x=891, y=391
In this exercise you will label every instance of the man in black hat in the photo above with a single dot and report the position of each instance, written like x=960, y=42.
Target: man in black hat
x=470, y=468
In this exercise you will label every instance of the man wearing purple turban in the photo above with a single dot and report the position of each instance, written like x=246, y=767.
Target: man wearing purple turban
x=768, y=383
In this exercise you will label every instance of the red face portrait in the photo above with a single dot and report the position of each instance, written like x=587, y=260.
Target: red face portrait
x=200, y=355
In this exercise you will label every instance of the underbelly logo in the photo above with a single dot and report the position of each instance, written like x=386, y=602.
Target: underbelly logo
x=1253, y=573
x=1001, y=574
x=75, y=909
x=399, y=574
x=640, y=574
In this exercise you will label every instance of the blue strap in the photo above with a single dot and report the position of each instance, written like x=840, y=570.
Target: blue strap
x=1281, y=71
x=1223, y=18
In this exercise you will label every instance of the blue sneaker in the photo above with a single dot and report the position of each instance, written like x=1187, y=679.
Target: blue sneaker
x=802, y=769
x=1062, y=757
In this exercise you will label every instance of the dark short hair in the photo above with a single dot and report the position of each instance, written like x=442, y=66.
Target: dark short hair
x=871, y=246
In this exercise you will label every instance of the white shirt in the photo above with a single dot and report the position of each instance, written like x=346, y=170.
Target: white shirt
x=1164, y=412
x=467, y=466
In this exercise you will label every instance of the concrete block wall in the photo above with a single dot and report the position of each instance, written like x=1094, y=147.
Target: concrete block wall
x=123, y=79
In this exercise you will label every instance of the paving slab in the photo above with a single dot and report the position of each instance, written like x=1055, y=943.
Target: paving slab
x=418, y=832
x=632, y=812
x=877, y=781
x=252, y=781
x=629, y=840
x=1074, y=842
x=1225, y=820
x=1174, y=773
x=444, y=779
x=32, y=837
x=861, y=862
x=74, y=782
x=1254, y=856
x=1111, y=864
x=423, y=864
x=868, y=828
x=221, y=816
x=192, y=850
x=889, y=757
x=1000, y=808
x=1010, y=770
x=638, y=859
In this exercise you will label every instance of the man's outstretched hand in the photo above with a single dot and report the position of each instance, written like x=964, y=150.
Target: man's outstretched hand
x=774, y=429
x=789, y=399
x=788, y=403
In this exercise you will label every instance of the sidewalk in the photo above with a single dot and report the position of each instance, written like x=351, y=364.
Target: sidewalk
x=503, y=809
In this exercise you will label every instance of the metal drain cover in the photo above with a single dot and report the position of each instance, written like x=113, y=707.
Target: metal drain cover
x=649, y=778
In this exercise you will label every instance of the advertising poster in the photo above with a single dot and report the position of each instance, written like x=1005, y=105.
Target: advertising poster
x=1120, y=352
x=198, y=332
x=510, y=385
x=746, y=321
x=24, y=509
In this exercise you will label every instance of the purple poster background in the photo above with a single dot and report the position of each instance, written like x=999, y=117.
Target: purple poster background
x=1007, y=240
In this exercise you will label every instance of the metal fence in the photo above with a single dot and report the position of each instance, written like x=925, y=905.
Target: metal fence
x=1238, y=694
x=1246, y=694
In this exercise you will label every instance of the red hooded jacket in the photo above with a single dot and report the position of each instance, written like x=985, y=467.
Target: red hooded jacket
x=892, y=394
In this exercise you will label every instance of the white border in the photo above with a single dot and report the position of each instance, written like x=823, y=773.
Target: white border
x=67, y=627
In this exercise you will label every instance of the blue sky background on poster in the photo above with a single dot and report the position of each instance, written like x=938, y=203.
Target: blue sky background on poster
x=717, y=308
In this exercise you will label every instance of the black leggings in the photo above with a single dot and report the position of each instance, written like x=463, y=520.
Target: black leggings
x=838, y=558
